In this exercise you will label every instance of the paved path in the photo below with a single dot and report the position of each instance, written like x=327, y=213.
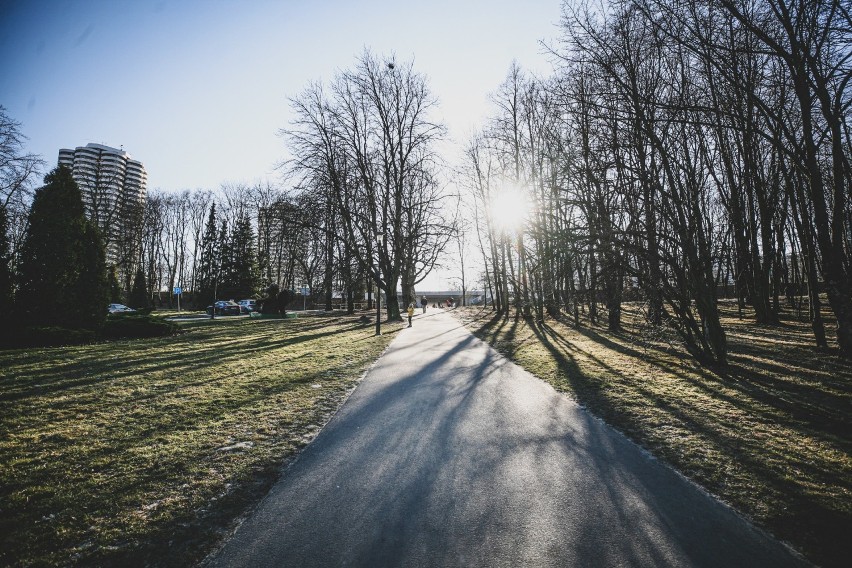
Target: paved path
x=447, y=454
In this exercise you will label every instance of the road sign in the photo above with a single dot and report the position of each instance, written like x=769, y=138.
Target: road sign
x=178, y=290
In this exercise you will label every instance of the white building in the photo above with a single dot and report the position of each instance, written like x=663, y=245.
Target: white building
x=113, y=187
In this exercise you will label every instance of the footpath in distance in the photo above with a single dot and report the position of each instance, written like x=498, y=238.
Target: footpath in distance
x=449, y=455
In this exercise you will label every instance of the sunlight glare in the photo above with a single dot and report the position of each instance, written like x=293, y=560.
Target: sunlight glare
x=509, y=209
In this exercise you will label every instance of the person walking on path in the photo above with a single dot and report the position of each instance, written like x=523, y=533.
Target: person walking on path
x=410, y=313
x=424, y=302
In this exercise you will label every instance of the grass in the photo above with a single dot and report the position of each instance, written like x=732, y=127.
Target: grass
x=144, y=452
x=771, y=435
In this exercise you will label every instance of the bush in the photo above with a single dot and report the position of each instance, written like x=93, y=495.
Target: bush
x=47, y=336
x=133, y=326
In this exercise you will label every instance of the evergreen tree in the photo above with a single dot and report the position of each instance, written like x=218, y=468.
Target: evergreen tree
x=138, y=298
x=114, y=286
x=208, y=262
x=241, y=279
x=90, y=293
x=223, y=265
x=62, y=279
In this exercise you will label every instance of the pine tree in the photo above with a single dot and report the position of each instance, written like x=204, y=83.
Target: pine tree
x=242, y=277
x=139, y=298
x=62, y=279
x=114, y=286
x=208, y=262
x=90, y=294
x=223, y=265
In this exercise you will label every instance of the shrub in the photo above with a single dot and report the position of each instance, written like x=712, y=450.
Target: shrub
x=47, y=336
x=133, y=326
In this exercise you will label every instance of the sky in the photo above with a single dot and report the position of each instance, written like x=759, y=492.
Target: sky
x=198, y=90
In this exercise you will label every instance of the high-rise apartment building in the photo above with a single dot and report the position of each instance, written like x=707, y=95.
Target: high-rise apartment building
x=113, y=187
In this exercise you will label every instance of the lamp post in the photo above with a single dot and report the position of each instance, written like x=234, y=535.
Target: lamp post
x=215, y=291
x=380, y=239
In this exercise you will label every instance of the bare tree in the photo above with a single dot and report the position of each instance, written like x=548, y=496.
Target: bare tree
x=18, y=172
x=813, y=40
x=18, y=169
x=371, y=144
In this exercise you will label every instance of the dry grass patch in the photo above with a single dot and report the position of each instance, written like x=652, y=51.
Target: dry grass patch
x=770, y=435
x=143, y=452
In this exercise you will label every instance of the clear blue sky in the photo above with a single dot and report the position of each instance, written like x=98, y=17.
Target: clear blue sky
x=198, y=90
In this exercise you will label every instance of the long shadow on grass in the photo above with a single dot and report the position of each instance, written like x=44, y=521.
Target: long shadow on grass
x=164, y=412
x=815, y=525
x=759, y=393
x=134, y=434
x=102, y=366
x=809, y=410
x=493, y=330
x=814, y=410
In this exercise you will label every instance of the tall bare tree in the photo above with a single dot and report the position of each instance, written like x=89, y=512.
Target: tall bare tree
x=370, y=141
x=19, y=171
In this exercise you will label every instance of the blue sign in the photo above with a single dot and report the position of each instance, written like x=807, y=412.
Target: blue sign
x=178, y=290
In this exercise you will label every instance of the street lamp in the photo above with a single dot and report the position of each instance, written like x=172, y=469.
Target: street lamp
x=215, y=290
x=380, y=239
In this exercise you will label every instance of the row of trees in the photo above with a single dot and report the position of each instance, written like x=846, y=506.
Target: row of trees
x=365, y=207
x=162, y=243
x=233, y=243
x=678, y=148
x=240, y=241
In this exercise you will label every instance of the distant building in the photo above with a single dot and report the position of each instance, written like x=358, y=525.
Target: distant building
x=113, y=187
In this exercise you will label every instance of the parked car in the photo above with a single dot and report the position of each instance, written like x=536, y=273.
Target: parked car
x=224, y=308
x=119, y=309
x=247, y=306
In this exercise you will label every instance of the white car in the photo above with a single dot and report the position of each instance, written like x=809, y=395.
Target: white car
x=119, y=309
x=247, y=306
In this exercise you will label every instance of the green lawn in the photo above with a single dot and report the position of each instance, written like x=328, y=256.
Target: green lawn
x=772, y=436
x=144, y=452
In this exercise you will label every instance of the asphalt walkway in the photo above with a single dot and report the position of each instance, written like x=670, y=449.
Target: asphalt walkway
x=449, y=455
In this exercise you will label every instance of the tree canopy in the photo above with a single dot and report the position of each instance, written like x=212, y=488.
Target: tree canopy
x=62, y=274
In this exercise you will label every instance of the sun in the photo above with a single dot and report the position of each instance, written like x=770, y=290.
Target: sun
x=509, y=208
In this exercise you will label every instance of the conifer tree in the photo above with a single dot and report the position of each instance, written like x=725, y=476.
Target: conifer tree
x=90, y=294
x=208, y=262
x=242, y=278
x=62, y=279
x=139, y=293
x=223, y=265
x=114, y=286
